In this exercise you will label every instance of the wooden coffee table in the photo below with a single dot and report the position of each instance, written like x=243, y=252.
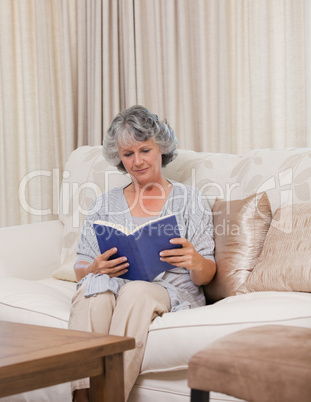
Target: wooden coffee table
x=34, y=357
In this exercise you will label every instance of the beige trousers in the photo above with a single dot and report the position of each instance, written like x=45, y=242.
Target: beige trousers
x=137, y=305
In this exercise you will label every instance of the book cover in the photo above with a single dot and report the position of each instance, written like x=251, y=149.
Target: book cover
x=141, y=247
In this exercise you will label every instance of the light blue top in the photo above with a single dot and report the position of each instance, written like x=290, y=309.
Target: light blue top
x=195, y=223
x=140, y=220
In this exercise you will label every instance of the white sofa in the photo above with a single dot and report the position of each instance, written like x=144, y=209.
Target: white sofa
x=31, y=291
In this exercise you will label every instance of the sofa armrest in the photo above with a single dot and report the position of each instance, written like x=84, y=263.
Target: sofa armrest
x=30, y=251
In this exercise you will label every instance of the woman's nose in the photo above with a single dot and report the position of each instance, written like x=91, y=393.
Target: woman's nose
x=137, y=159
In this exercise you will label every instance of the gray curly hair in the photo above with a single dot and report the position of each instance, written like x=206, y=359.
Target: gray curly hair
x=139, y=124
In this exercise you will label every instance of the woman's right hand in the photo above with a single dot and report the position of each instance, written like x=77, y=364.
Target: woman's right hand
x=102, y=265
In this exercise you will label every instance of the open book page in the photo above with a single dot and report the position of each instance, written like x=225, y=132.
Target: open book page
x=116, y=226
x=149, y=222
x=125, y=230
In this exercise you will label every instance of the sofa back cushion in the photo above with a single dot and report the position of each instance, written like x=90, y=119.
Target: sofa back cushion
x=284, y=174
x=87, y=174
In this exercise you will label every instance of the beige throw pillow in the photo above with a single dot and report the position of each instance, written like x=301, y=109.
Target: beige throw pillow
x=240, y=228
x=65, y=272
x=285, y=261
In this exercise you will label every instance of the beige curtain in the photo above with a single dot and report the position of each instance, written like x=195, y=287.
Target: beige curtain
x=50, y=99
x=229, y=75
x=307, y=29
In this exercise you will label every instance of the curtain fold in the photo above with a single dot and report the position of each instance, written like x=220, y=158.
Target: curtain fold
x=89, y=67
x=229, y=76
x=111, y=62
x=307, y=31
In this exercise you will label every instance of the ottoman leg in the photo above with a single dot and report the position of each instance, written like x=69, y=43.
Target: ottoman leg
x=199, y=396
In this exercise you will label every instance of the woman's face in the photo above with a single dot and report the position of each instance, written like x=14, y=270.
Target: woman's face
x=143, y=161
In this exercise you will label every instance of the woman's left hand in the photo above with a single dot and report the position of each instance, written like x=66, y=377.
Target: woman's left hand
x=202, y=270
x=186, y=257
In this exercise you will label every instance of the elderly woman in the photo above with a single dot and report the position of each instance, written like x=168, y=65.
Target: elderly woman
x=139, y=144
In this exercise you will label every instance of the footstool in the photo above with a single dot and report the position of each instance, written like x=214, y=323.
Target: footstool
x=269, y=363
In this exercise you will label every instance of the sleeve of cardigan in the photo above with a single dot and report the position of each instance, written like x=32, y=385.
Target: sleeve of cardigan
x=87, y=248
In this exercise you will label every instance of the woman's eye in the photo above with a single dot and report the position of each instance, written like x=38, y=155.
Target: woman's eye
x=127, y=155
x=146, y=151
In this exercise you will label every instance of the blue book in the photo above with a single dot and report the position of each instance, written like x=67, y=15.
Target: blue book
x=141, y=247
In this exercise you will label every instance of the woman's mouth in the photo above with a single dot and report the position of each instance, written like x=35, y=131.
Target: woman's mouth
x=140, y=170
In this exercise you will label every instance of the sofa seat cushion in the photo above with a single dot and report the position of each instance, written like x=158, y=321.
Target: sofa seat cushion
x=175, y=337
x=168, y=387
x=44, y=302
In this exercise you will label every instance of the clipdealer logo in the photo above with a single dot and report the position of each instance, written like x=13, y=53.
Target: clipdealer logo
x=68, y=198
